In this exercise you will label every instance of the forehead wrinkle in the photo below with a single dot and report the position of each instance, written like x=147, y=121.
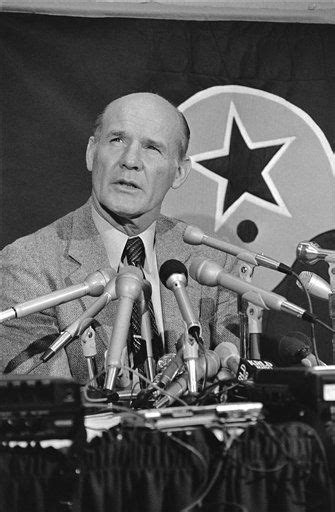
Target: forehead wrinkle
x=157, y=115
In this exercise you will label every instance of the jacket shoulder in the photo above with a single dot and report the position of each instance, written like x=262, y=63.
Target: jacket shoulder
x=58, y=232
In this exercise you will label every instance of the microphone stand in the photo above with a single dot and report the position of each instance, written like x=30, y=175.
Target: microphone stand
x=331, y=270
x=146, y=334
x=90, y=351
x=190, y=355
x=255, y=317
x=250, y=319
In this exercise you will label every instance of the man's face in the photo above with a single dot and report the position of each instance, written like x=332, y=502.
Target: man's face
x=136, y=161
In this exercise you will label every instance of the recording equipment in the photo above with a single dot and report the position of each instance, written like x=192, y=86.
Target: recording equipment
x=209, y=273
x=39, y=408
x=315, y=285
x=311, y=252
x=93, y=285
x=294, y=348
x=80, y=325
x=128, y=285
x=233, y=417
x=173, y=274
x=194, y=236
x=297, y=393
x=207, y=365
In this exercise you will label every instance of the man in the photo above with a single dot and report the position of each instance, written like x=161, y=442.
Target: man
x=137, y=153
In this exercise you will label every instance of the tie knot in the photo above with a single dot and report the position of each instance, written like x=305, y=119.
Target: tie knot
x=134, y=251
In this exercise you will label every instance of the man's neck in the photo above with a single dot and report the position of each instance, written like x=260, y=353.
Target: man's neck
x=131, y=227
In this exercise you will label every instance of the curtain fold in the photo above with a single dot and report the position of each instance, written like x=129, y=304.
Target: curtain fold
x=268, y=468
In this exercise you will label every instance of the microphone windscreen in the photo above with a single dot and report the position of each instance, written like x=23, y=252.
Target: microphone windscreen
x=293, y=347
x=170, y=267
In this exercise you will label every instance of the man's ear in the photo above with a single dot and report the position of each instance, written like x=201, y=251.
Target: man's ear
x=182, y=172
x=90, y=151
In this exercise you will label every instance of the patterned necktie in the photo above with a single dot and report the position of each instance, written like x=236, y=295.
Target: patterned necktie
x=135, y=253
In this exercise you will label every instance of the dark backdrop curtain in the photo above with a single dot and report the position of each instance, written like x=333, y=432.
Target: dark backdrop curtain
x=59, y=72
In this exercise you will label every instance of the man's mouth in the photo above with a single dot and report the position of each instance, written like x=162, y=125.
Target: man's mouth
x=129, y=184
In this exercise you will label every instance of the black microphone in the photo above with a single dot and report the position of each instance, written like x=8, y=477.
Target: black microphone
x=93, y=285
x=209, y=273
x=194, y=236
x=207, y=365
x=173, y=274
x=294, y=348
x=315, y=285
x=128, y=284
x=311, y=252
x=80, y=325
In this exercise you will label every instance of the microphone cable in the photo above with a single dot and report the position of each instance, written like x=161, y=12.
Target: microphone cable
x=310, y=310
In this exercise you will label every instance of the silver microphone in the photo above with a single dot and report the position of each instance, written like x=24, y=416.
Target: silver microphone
x=93, y=285
x=207, y=366
x=315, y=285
x=129, y=284
x=209, y=273
x=311, y=252
x=173, y=274
x=194, y=236
x=82, y=323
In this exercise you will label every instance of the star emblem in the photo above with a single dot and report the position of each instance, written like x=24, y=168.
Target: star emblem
x=241, y=168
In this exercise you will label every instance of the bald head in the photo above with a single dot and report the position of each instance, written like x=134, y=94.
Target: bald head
x=155, y=105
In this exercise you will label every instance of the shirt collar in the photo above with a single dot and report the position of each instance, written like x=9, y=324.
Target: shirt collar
x=115, y=240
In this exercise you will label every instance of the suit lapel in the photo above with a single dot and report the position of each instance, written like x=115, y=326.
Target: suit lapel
x=86, y=249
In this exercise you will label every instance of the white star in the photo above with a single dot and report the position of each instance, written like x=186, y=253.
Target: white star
x=221, y=218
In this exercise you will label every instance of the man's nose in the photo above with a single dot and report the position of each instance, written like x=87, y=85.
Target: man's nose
x=131, y=157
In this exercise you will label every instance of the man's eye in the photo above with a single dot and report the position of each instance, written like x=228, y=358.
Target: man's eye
x=154, y=148
x=115, y=139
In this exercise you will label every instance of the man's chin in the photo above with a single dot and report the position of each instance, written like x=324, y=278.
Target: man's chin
x=126, y=213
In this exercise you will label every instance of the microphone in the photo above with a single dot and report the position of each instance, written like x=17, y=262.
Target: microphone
x=240, y=369
x=146, y=327
x=294, y=348
x=207, y=365
x=128, y=284
x=80, y=325
x=172, y=364
x=173, y=274
x=194, y=236
x=172, y=369
x=229, y=356
x=311, y=252
x=315, y=285
x=209, y=273
x=93, y=285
